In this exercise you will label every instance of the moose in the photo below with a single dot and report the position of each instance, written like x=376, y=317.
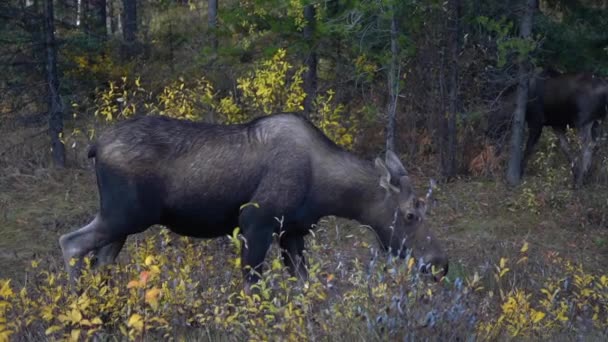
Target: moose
x=562, y=101
x=197, y=178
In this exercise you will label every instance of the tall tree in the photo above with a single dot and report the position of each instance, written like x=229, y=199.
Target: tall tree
x=55, y=105
x=310, y=77
x=517, y=130
x=129, y=26
x=393, y=84
x=448, y=120
x=97, y=17
x=212, y=23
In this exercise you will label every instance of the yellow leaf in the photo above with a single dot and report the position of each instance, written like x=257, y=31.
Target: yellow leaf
x=154, y=269
x=97, y=321
x=4, y=335
x=151, y=297
x=503, y=272
x=74, y=335
x=410, y=264
x=538, y=316
x=6, y=291
x=503, y=262
x=133, y=283
x=123, y=330
x=75, y=316
x=524, y=248
x=52, y=329
x=276, y=264
x=47, y=313
x=149, y=260
x=136, y=322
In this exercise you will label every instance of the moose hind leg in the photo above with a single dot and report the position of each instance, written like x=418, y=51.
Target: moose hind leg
x=292, y=247
x=108, y=253
x=77, y=244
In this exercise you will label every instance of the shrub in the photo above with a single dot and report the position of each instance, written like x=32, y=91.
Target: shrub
x=170, y=286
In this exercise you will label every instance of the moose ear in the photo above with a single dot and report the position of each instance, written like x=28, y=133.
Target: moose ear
x=394, y=165
x=422, y=206
x=385, y=176
x=406, y=187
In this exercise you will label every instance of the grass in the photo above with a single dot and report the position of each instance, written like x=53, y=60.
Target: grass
x=36, y=209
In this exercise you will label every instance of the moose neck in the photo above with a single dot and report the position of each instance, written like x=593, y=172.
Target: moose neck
x=349, y=187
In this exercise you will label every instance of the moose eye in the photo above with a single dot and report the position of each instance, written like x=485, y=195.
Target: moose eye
x=409, y=216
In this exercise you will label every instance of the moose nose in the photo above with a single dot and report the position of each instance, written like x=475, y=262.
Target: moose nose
x=436, y=266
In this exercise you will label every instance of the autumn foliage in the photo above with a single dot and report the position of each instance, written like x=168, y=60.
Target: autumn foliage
x=171, y=286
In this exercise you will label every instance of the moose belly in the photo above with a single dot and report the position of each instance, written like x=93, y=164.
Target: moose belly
x=200, y=222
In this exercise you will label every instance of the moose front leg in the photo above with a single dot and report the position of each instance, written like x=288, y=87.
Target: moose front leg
x=257, y=231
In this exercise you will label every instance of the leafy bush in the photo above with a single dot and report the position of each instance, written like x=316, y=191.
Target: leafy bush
x=171, y=286
x=274, y=86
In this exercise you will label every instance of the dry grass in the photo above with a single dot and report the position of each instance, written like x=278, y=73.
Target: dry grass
x=486, y=163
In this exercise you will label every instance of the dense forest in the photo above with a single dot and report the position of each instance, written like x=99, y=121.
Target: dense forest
x=459, y=89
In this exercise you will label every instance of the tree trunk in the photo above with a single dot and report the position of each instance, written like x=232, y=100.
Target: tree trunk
x=54, y=99
x=393, y=86
x=448, y=121
x=310, y=77
x=78, y=4
x=97, y=17
x=129, y=26
x=212, y=23
x=525, y=31
x=109, y=15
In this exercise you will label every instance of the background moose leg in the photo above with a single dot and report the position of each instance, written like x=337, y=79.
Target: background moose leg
x=292, y=247
x=587, y=145
x=564, y=146
x=535, y=129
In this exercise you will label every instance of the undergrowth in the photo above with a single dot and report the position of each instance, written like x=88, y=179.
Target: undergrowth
x=170, y=287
